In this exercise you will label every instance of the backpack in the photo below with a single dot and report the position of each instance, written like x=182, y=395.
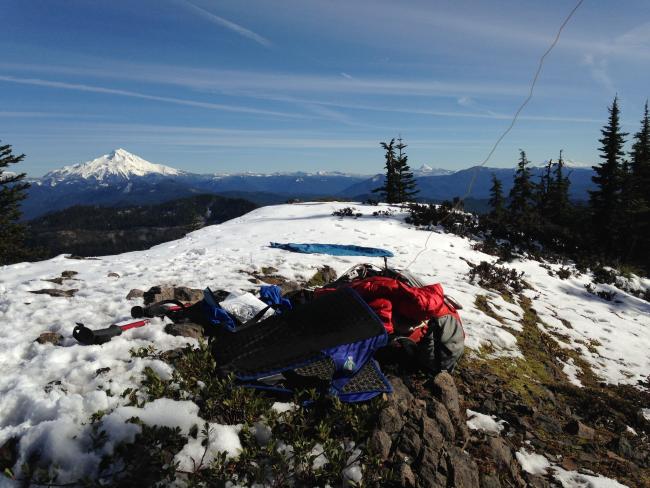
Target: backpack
x=327, y=344
x=438, y=346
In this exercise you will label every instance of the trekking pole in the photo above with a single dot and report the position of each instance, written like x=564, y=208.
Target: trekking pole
x=158, y=309
x=89, y=337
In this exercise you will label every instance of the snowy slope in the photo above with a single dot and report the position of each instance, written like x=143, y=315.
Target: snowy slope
x=51, y=416
x=119, y=164
x=426, y=170
x=571, y=164
x=6, y=175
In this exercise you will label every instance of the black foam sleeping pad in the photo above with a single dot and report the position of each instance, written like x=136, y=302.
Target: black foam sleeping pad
x=296, y=338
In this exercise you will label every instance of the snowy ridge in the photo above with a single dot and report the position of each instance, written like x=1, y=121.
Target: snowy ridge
x=5, y=175
x=569, y=163
x=48, y=393
x=426, y=170
x=117, y=164
x=288, y=173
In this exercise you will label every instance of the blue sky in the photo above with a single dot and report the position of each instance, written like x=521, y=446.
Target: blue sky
x=283, y=85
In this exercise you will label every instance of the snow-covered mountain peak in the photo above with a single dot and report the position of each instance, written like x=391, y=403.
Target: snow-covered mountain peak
x=119, y=164
x=570, y=163
x=426, y=170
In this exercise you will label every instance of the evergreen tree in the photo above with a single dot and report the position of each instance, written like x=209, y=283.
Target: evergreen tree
x=640, y=159
x=497, y=202
x=640, y=189
x=559, y=203
x=405, y=184
x=522, y=195
x=544, y=192
x=12, y=192
x=389, y=190
x=605, y=201
x=627, y=206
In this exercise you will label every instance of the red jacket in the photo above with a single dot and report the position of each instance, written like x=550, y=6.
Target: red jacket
x=402, y=308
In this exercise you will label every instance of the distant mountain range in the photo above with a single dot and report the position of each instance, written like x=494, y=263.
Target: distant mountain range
x=121, y=178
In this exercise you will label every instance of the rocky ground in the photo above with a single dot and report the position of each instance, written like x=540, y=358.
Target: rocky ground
x=422, y=437
x=419, y=436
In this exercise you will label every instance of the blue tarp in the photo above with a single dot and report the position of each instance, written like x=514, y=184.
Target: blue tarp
x=334, y=249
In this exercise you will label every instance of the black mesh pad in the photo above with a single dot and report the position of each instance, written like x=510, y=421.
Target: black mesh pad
x=323, y=369
x=368, y=378
x=296, y=338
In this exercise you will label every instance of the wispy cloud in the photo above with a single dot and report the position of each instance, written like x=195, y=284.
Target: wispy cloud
x=38, y=115
x=634, y=43
x=330, y=114
x=465, y=101
x=274, y=87
x=599, y=72
x=483, y=114
x=241, y=82
x=182, y=136
x=488, y=24
x=220, y=21
x=346, y=76
x=144, y=96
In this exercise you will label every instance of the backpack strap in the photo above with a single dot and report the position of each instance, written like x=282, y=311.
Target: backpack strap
x=437, y=346
x=259, y=315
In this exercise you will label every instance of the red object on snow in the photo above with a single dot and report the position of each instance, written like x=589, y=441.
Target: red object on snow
x=402, y=308
x=133, y=324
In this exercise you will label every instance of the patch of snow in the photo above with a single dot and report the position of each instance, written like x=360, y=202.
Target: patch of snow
x=486, y=423
x=285, y=449
x=353, y=473
x=221, y=438
x=505, y=309
x=573, y=479
x=66, y=443
x=646, y=413
x=282, y=407
x=536, y=464
x=162, y=412
x=571, y=370
x=531, y=462
x=318, y=455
